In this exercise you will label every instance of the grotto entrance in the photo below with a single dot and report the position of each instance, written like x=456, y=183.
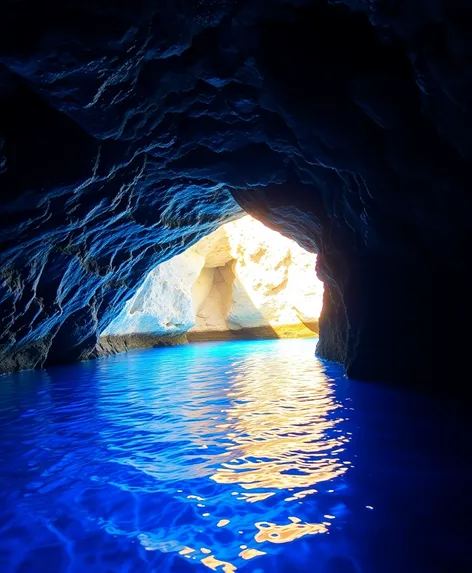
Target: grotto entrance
x=241, y=281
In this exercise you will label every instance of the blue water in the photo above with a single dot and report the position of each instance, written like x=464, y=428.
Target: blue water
x=241, y=456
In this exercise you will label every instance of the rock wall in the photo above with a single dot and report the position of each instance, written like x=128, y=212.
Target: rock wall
x=243, y=280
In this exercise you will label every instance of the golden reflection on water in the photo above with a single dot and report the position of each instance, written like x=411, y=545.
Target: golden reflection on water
x=285, y=533
x=213, y=563
x=280, y=427
x=280, y=431
x=251, y=553
x=281, y=440
x=209, y=561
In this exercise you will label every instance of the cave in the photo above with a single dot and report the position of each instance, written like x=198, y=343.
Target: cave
x=130, y=132
x=121, y=145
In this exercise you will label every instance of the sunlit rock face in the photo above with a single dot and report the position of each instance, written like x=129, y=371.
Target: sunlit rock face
x=241, y=280
x=125, y=127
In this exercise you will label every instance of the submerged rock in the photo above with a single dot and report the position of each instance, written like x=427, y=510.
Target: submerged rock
x=243, y=280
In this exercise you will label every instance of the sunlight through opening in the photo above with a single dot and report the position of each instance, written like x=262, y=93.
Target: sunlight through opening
x=242, y=281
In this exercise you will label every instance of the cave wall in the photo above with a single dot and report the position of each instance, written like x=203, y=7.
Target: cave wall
x=242, y=280
x=125, y=128
x=163, y=303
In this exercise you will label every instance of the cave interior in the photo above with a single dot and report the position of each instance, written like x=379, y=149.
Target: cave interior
x=130, y=130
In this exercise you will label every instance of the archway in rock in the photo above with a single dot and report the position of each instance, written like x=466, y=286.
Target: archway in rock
x=241, y=281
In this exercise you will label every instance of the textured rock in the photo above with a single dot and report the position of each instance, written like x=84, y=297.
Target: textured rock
x=163, y=304
x=241, y=280
x=123, y=343
x=275, y=281
x=346, y=124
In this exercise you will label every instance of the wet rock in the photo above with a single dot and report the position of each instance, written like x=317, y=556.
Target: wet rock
x=116, y=343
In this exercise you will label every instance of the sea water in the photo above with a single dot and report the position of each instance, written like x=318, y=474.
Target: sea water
x=236, y=456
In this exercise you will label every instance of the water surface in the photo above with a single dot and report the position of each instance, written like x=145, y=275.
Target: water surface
x=240, y=456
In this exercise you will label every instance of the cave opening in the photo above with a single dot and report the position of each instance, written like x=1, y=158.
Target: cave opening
x=243, y=281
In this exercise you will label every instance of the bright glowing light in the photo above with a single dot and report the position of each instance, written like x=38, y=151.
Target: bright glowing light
x=255, y=277
x=243, y=276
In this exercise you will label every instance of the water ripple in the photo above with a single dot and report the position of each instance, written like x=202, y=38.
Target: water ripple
x=207, y=456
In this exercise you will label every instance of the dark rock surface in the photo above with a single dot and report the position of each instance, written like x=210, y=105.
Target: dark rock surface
x=115, y=344
x=125, y=126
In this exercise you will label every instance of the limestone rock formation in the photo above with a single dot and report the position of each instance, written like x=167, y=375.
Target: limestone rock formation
x=127, y=127
x=241, y=280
